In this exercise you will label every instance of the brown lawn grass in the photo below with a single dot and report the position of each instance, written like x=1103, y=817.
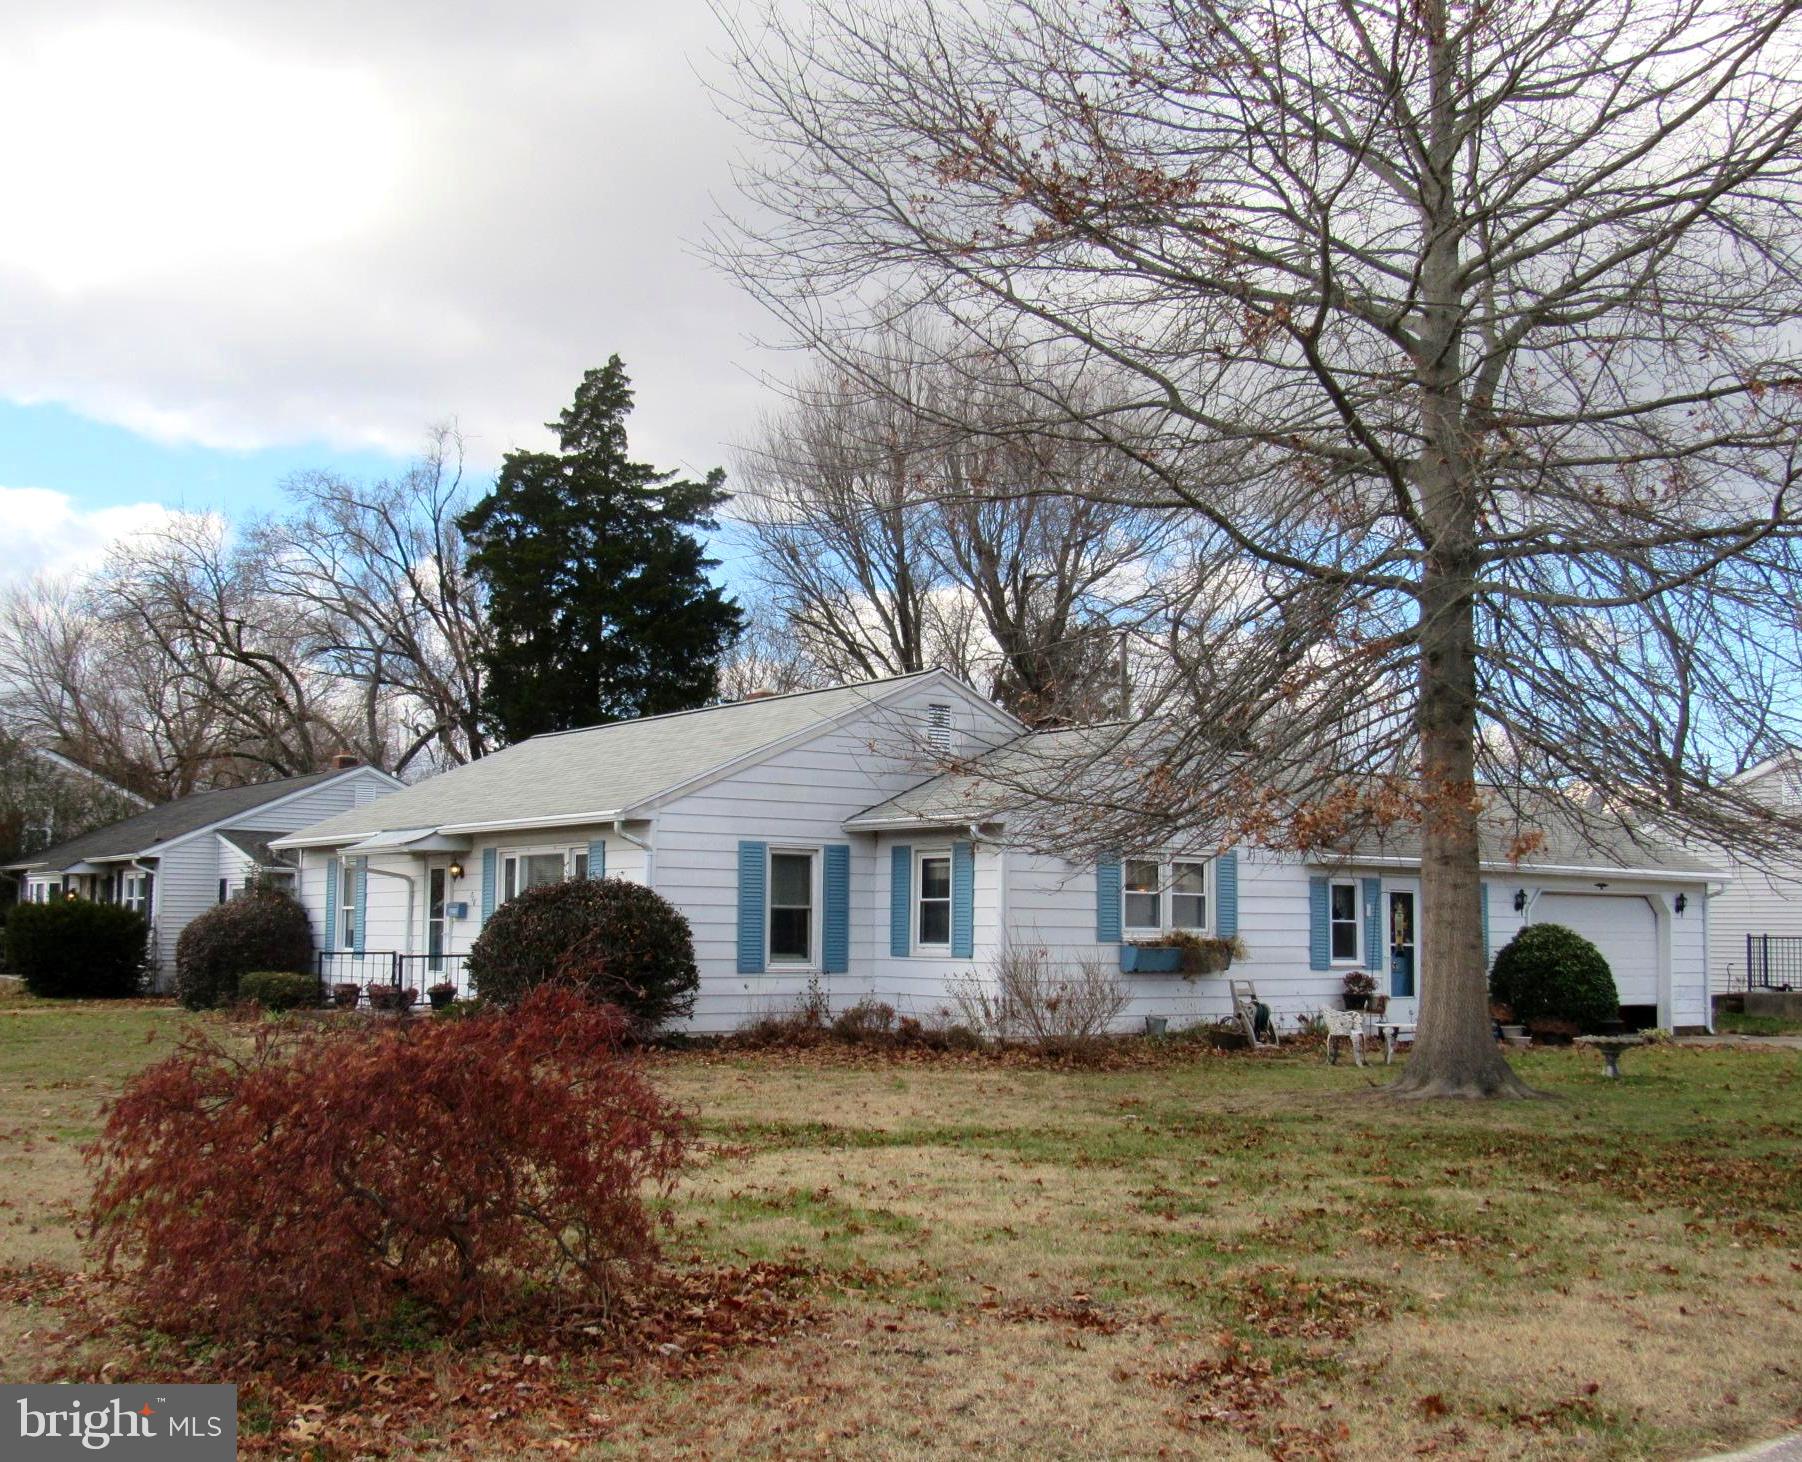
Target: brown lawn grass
x=1231, y=1257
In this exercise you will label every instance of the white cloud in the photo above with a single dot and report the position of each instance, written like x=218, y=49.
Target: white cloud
x=47, y=533
x=242, y=224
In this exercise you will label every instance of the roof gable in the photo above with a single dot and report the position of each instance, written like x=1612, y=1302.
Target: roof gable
x=602, y=773
x=161, y=827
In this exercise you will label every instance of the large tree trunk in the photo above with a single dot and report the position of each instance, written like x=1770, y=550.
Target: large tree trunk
x=1455, y=1053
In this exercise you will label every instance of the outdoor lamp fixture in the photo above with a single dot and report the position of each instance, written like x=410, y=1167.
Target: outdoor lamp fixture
x=71, y=895
x=1520, y=901
x=456, y=869
x=1682, y=902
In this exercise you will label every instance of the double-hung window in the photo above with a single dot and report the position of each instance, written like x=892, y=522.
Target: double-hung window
x=791, y=906
x=1342, y=922
x=347, y=904
x=932, y=918
x=1159, y=896
x=135, y=892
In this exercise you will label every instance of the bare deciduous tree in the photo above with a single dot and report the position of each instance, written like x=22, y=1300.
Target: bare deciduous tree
x=377, y=574
x=1468, y=329
x=894, y=535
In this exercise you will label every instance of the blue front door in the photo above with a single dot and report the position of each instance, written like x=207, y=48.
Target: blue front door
x=1401, y=944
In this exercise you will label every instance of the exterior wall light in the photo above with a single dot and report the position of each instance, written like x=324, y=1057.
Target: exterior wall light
x=456, y=868
x=1520, y=901
x=1682, y=902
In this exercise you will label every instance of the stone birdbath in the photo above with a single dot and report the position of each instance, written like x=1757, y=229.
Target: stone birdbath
x=1611, y=1048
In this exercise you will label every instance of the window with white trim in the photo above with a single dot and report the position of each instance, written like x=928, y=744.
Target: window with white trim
x=1159, y=896
x=347, y=904
x=135, y=892
x=932, y=901
x=523, y=868
x=1342, y=922
x=1143, y=909
x=792, y=901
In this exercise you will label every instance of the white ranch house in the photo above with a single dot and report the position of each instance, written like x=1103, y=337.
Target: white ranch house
x=181, y=857
x=807, y=840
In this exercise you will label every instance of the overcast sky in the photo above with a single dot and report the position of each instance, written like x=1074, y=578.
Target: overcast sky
x=243, y=237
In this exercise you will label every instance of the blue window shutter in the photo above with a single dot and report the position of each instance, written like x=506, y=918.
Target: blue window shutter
x=1373, y=925
x=331, y=903
x=490, y=860
x=753, y=877
x=597, y=858
x=1320, y=940
x=1226, y=895
x=835, y=947
x=1107, y=901
x=900, y=901
x=362, y=901
x=963, y=900
x=1483, y=896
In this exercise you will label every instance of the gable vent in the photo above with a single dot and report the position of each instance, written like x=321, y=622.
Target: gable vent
x=938, y=727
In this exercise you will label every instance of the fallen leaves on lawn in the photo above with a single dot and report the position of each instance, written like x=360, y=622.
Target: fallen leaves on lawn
x=492, y=1395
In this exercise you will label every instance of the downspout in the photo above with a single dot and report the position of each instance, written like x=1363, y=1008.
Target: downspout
x=650, y=853
x=406, y=878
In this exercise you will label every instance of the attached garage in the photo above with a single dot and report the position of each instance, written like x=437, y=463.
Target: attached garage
x=1623, y=927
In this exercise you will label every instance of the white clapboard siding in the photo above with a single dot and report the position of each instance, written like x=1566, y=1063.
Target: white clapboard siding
x=801, y=797
x=188, y=870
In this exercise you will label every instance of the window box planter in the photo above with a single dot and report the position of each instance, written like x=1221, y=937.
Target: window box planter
x=1150, y=959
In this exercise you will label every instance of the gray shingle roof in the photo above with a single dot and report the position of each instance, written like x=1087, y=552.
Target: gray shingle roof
x=599, y=772
x=146, y=831
x=1568, y=835
x=253, y=843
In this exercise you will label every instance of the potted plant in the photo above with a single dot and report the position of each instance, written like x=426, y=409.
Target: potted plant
x=392, y=997
x=345, y=996
x=441, y=994
x=1359, y=986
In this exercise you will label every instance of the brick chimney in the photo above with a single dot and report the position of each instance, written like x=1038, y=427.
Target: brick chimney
x=344, y=761
x=759, y=695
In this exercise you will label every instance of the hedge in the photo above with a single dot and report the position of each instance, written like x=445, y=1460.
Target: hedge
x=78, y=949
x=618, y=942
x=262, y=929
x=1550, y=972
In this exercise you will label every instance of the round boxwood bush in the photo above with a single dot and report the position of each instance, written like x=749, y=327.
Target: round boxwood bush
x=262, y=929
x=77, y=949
x=278, y=989
x=617, y=941
x=1550, y=972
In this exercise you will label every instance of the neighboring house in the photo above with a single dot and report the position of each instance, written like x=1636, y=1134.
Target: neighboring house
x=45, y=798
x=808, y=843
x=1755, y=917
x=173, y=861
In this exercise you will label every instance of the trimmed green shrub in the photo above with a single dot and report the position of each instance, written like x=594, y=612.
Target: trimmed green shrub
x=262, y=929
x=278, y=989
x=618, y=942
x=75, y=949
x=1550, y=973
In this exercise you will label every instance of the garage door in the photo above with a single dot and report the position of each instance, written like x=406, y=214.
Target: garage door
x=1622, y=927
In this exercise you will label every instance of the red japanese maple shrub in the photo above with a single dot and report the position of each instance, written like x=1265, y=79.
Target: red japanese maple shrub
x=315, y=1181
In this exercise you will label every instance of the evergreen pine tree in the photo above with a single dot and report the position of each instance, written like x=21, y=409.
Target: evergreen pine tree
x=597, y=585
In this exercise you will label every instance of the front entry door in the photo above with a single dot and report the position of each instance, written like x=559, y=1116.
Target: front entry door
x=1402, y=935
x=437, y=886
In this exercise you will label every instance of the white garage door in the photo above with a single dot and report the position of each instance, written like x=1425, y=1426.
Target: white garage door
x=1622, y=927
